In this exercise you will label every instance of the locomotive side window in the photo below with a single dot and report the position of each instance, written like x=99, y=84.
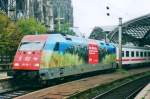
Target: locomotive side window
x=149, y=54
x=127, y=53
x=102, y=43
x=145, y=54
x=132, y=54
x=122, y=53
x=141, y=54
x=56, y=48
x=137, y=54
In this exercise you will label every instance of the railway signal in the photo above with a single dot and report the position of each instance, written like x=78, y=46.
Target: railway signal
x=119, y=37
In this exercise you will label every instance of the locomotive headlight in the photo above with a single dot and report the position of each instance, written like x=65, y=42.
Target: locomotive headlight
x=37, y=65
x=35, y=58
x=29, y=53
x=16, y=64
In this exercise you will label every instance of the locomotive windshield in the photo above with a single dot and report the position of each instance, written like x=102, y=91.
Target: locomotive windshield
x=31, y=46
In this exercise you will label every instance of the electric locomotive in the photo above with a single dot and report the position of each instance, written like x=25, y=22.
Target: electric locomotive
x=50, y=56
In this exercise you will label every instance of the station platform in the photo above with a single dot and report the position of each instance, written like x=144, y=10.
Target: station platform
x=144, y=93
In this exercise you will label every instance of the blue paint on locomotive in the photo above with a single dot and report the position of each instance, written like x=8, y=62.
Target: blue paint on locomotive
x=63, y=46
x=112, y=48
x=108, y=46
x=67, y=41
x=52, y=40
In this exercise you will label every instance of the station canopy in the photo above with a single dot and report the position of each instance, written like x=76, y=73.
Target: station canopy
x=134, y=32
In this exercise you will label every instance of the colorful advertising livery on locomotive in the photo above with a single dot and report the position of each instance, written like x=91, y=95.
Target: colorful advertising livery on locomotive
x=52, y=56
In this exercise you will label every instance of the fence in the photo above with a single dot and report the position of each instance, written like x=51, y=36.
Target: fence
x=5, y=62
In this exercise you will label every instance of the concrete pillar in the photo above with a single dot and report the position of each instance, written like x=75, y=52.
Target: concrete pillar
x=120, y=42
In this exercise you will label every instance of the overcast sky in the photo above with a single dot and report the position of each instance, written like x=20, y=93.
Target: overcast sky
x=91, y=13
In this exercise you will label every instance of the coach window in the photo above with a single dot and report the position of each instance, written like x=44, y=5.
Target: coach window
x=137, y=54
x=122, y=53
x=132, y=54
x=145, y=54
x=141, y=54
x=127, y=53
x=149, y=54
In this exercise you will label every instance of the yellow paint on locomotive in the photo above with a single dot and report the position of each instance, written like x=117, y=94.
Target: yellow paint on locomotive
x=56, y=59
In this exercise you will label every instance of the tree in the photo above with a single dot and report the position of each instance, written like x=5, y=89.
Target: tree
x=9, y=35
x=65, y=28
x=97, y=34
x=12, y=33
x=30, y=26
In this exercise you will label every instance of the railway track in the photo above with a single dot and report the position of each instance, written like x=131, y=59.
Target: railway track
x=10, y=88
x=13, y=94
x=5, y=84
x=15, y=90
x=126, y=90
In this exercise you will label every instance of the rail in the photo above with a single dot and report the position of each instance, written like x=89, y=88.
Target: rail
x=125, y=91
x=10, y=88
x=14, y=93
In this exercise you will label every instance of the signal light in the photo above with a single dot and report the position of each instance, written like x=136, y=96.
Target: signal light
x=16, y=64
x=37, y=65
x=108, y=14
x=107, y=7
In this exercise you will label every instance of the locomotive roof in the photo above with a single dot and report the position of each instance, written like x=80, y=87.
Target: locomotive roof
x=65, y=38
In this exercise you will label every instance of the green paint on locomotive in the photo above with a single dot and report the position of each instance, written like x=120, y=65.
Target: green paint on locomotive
x=73, y=57
x=110, y=58
x=57, y=59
